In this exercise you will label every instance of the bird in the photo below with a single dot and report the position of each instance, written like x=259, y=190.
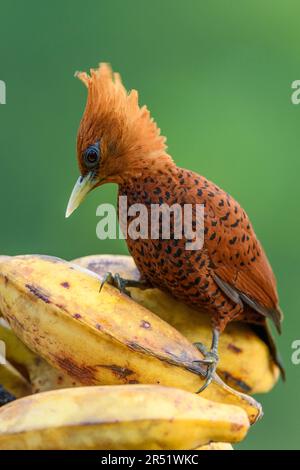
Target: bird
x=229, y=276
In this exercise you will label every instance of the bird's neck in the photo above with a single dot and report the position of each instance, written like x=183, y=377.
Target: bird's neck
x=156, y=167
x=165, y=177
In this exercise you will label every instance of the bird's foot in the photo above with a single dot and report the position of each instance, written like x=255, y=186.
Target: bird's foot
x=122, y=284
x=210, y=359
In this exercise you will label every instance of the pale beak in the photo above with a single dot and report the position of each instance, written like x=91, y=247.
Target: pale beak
x=83, y=186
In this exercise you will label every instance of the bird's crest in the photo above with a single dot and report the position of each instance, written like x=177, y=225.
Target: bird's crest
x=110, y=109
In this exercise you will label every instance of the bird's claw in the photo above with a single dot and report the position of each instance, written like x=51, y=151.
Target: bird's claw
x=117, y=281
x=210, y=359
x=202, y=348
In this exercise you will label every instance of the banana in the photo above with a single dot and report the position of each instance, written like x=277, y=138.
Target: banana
x=13, y=381
x=41, y=374
x=216, y=446
x=118, y=418
x=56, y=309
x=245, y=361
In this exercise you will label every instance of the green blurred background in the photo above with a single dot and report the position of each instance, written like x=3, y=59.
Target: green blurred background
x=217, y=77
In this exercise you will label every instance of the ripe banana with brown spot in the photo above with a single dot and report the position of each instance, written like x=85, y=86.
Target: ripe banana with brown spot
x=56, y=309
x=41, y=375
x=118, y=418
x=245, y=361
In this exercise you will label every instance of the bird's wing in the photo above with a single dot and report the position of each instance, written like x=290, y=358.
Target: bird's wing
x=238, y=261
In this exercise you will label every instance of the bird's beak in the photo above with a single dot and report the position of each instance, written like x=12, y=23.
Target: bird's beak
x=83, y=186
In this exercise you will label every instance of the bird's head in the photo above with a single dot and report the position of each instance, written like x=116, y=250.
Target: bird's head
x=117, y=139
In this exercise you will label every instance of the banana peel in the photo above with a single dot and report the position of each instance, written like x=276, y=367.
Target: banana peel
x=216, y=446
x=118, y=418
x=55, y=308
x=245, y=361
x=13, y=381
x=41, y=375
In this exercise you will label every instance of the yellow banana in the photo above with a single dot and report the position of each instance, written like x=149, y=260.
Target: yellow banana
x=117, y=418
x=57, y=311
x=245, y=361
x=216, y=446
x=13, y=381
x=41, y=374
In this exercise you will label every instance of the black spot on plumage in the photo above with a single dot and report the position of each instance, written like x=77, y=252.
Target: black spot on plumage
x=181, y=181
x=179, y=263
x=157, y=191
x=214, y=223
x=160, y=200
x=211, y=194
x=141, y=251
x=233, y=240
x=199, y=192
x=168, y=195
x=236, y=209
x=202, y=264
x=243, y=238
x=221, y=203
x=236, y=223
x=213, y=236
x=178, y=253
x=253, y=259
x=225, y=217
x=196, y=182
x=168, y=250
x=242, y=264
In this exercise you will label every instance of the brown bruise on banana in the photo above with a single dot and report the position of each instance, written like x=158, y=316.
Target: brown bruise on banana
x=234, y=382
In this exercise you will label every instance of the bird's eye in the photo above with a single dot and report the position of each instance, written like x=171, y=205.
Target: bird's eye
x=92, y=155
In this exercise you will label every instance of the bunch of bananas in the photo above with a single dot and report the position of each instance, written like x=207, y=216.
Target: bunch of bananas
x=104, y=370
